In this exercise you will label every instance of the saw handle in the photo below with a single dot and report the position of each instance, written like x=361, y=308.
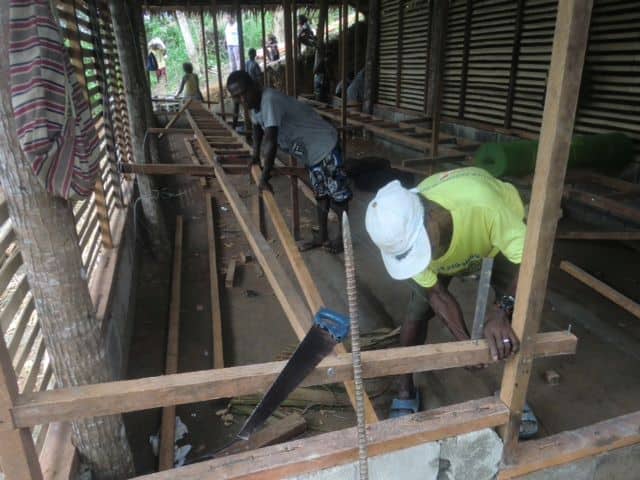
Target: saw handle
x=336, y=324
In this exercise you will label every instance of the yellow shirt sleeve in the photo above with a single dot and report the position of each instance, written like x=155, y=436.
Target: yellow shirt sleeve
x=427, y=278
x=507, y=233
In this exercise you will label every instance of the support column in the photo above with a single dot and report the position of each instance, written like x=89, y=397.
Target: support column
x=515, y=56
x=264, y=46
x=565, y=75
x=438, y=45
x=343, y=65
x=214, y=14
x=288, y=47
x=296, y=46
x=70, y=328
x=204, y=55
x=371, y=60
x=138, y=106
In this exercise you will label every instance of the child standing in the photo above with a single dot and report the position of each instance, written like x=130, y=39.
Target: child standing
x=189, y=84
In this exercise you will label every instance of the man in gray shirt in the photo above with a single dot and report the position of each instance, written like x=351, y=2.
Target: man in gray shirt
x=296, y=128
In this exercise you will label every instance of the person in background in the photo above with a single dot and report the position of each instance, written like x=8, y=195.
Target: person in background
x=232, y=42
x=159, y=51
x=189, y=84
x=297, y=129
x=321, y=81
x=273, y=53
x=306, y=36
x=339, y=86
x=252, y=67
x=355, y=90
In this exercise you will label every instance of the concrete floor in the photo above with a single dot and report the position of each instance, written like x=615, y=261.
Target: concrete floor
x=601, y=381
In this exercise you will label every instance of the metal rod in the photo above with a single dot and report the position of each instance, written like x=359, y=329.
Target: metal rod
x=354, y=317
x=481, y=299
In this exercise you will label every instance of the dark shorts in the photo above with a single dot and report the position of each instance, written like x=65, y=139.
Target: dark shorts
x=328, y=178
x=502, y=275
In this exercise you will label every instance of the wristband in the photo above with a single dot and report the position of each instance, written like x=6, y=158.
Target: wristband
x=506, y=303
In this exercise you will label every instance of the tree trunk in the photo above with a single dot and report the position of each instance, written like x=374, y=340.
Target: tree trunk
x=192, y=49
x=139, y=108
x=48, y=243
x=371, y=62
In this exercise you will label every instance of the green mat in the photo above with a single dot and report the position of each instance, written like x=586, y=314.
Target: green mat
x=605, y=152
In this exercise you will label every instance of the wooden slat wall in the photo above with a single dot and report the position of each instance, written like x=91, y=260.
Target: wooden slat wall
x=404, y=47
x=484, y=33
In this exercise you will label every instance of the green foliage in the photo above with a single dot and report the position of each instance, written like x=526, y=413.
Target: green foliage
x=165, y=26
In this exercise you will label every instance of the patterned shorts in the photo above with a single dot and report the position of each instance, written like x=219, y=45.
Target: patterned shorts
x=328, y=178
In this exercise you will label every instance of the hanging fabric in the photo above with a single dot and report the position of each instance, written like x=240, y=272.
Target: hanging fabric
x=53, y=118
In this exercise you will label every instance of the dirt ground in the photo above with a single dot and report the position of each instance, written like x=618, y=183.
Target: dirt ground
x=601, y=381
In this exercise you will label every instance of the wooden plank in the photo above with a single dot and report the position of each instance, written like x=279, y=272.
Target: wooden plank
x=604, y=204
x=26, y=348
x=214, y=287
x=174, y=119
x=622, y=236
x=9, y=268
x=277, y=432
x=153, y=392
x=565, y=74
x=573, y=445
x=59, y=458
x=21, y=326
x=340, y=447
x=515, y=58
x=602, y=288
x=168, y=426
x=166, y=131
x=13, y=304
x=30, y=382
x=194, y=159
x=231, y=273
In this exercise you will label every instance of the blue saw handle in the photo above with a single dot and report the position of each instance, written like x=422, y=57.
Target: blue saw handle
x=333, y=322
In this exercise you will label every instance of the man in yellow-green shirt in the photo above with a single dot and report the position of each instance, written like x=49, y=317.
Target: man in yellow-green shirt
x=441, y=229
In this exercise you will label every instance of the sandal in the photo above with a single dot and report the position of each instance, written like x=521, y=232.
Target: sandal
x=404, y=406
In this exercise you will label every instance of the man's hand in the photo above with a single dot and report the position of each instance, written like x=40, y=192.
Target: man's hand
x=500, y=336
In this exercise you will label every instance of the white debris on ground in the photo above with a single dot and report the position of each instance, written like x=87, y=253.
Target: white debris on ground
x=180, y=451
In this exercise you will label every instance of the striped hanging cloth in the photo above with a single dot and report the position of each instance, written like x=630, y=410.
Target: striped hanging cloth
x=54, y=123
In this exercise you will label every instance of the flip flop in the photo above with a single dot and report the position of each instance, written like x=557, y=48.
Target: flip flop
x=528, y=423
x=404, y=406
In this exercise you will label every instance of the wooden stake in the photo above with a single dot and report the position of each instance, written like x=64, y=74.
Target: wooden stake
x=344, y=26
x=288, y=45
x=567, y=60
x=167, y=435
x=296, y=46
x=264, y=45
x=515, y=57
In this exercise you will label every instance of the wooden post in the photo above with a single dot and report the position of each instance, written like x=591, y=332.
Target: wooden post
x=295, y=203
x=264, y=45
x=204, y=54
x=515, y=56
x=288, y=46
x=565, y=73
x=399, y=52
x=437, y=48
x=168, y=426
x=134, y=80
x=18, y=456
x=465, y=57
x=214, y=14
x=323, y=20
x=371, y=60
x=355, y=39
x=214, y=287
x=71, y=330
x=344, y=30
x=238, y=10
x=296, y=46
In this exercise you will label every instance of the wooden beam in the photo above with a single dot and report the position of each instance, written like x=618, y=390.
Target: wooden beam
x=214, y=287
x=567, y=60
x=344, y=30
x=97, y=400
x=604, y=204
x=175, y=118
x=602, y=288
x=622, y=236
x=264, y=45
x=59, y=457
x=168, y=425
x=465, y=57
x=288, y=45
x=341, y=447
x=231, y=273
x=202, y=170
x=164, y=130
x=296, y=46
x=437, y=48
x=18, y=456
x=371, y=60
x=573, y=445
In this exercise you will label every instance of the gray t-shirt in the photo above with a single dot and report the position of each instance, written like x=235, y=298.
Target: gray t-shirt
x=355, y=91
x=301, y=131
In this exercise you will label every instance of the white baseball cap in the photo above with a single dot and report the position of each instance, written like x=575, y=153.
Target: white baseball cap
x=395, y=222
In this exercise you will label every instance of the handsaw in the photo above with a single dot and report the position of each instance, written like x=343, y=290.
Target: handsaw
x=329, y=328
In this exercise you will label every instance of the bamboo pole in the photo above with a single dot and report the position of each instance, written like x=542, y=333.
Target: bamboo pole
x=288, y=47
x=264, y=45
x=204, y=53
